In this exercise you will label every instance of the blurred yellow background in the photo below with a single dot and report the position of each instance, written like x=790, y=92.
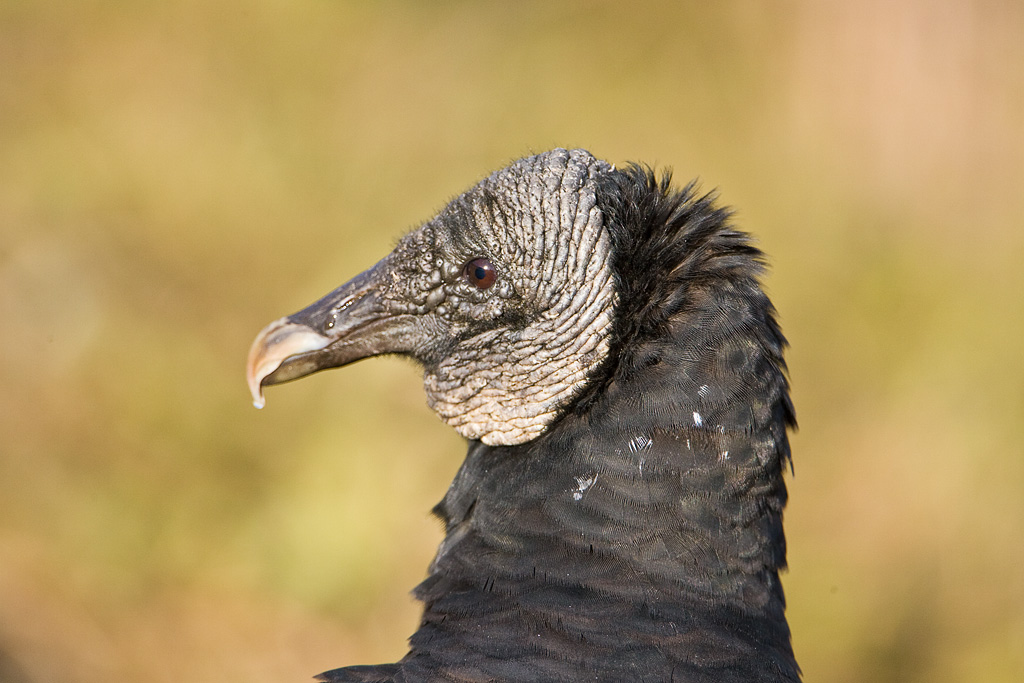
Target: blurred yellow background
x=173, y=176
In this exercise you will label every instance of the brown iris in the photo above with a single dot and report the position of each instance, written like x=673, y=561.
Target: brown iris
x=480, y=272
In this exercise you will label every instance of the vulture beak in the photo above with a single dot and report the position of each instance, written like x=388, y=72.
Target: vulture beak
x=342, y=327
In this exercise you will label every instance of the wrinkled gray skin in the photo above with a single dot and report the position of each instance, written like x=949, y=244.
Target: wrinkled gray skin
x=499, y=362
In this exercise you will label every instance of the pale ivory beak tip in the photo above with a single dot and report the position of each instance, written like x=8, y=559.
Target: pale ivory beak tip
x=258, y=399
x=256, y=389
x=275, y=344
x=257, y=373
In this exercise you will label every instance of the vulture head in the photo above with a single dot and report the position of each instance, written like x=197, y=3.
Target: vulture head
x=506, y=298
x=602, y=341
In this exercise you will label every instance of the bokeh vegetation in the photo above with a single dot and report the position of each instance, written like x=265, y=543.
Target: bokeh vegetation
x=175, y=175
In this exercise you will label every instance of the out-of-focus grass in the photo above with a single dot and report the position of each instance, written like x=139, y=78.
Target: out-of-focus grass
x=174, y=176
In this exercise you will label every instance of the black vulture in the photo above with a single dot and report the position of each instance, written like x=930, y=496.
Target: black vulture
x=603, y=342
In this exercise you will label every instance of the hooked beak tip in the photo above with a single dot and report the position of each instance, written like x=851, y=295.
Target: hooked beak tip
x=256, y=389
x=278, y=342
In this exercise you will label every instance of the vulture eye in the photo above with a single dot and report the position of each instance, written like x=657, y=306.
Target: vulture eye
x=480, y=272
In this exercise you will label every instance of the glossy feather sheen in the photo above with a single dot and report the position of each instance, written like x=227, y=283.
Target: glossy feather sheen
x=640, y=537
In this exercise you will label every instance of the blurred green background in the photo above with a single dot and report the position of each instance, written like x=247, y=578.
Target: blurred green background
x=173, y=176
